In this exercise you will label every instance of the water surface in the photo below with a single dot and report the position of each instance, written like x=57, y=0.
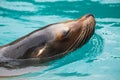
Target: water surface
x=99, y=59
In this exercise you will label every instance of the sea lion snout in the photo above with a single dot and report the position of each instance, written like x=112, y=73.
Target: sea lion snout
x=83, y=22
x=87, y=21
x=87, y=16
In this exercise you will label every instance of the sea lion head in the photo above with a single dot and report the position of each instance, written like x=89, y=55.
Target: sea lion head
x=67, y=36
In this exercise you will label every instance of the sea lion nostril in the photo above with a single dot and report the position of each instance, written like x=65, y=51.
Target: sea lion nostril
x=88, y=15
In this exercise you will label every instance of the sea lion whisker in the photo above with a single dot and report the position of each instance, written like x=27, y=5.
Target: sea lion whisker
x=72, y=46
x=77, y=42
x=84, y=36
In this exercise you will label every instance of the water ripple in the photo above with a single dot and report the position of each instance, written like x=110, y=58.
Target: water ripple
x=88, y=52
x=108, y=20
x=18, y=6
x=107, y=1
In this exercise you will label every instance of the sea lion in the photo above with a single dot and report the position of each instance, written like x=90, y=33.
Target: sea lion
x=51, y=40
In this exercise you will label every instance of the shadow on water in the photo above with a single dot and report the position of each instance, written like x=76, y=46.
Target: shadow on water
x=88, y=52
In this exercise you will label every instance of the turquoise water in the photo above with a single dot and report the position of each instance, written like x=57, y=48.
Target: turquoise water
x=99, y=59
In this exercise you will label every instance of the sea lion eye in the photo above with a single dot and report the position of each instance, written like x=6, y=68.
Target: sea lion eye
x=62, y=34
